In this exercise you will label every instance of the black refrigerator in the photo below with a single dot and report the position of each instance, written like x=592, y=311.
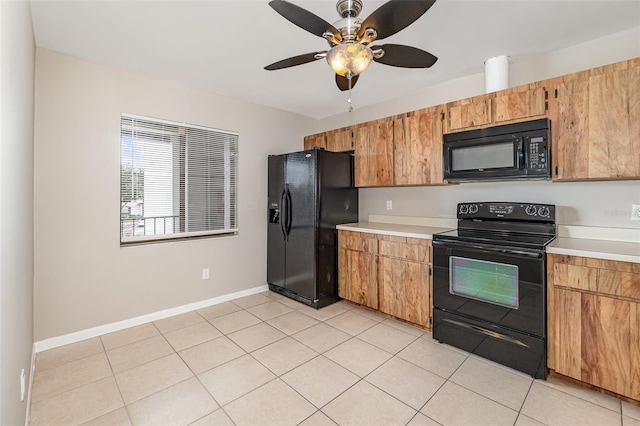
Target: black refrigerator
x=310, y=192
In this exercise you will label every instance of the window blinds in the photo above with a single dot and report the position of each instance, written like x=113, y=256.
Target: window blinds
x=176, y=180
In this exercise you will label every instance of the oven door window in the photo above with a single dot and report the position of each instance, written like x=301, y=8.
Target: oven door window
x=490, y=282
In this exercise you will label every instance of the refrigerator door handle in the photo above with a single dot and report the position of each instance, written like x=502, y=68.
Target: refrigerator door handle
x=289, y=211
x=283, y=214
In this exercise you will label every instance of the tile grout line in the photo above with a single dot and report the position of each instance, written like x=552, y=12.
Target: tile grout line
x=286, y=335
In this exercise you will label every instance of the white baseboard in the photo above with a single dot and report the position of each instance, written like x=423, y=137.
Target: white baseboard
x=89, y=333
x=32, y=369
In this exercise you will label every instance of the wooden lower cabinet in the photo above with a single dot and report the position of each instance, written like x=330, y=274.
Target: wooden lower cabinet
x=594, y=322
x=390, y=274
x=358, y=278
x=404, y=290
x=358, y=268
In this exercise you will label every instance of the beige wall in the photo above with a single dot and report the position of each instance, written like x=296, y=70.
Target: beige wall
x=584, y=203
x=83, y=278
x=17, y=64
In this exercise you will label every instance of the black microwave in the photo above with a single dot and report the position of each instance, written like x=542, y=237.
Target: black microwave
x=511, y=151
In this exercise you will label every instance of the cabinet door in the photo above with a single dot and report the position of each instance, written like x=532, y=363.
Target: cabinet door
x=469, y=113
x=340, y=140
x=598, y=341
x=596, y=123
x=404, y=290
x=417, y=139
x=374, y=153
x=611, y=344
x=358, y=277
x=405, y=279
x=518, y=103
x=594, y=322
x=315, y=141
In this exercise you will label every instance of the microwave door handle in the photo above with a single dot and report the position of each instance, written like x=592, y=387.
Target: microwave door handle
x=519, y=159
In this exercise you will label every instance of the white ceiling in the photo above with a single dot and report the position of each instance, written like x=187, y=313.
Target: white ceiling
x=223, y=46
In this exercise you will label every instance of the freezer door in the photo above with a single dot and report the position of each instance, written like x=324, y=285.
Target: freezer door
x=275, y=232
x=301, y=215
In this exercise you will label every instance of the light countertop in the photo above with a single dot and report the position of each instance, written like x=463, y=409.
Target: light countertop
x=601, y=243
x=397, y=230
x=624, y=251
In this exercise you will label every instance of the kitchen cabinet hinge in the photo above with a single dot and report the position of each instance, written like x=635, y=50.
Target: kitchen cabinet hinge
x=546, y=95
x=546, y=106
x=430, y=320
x=556, y=171
x=556, y=94
x=442, y=115
x=429, y=270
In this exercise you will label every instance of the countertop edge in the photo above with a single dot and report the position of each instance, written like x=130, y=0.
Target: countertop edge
x=396, y=230
x=560, y=245
x=594, y=254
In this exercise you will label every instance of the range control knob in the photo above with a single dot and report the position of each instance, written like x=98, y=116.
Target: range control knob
x=464, y=209
x=543, y=212
x=531, y=210
x=473, y=208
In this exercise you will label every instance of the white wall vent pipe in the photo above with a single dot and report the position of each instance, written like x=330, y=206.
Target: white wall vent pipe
x=496, y=73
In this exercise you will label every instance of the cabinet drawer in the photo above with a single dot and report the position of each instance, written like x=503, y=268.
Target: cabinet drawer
x=358, y=241
x=577, y=277
x=620, y=279
x=405, y=248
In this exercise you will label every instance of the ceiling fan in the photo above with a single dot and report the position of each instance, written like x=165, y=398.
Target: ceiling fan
x=349, y=38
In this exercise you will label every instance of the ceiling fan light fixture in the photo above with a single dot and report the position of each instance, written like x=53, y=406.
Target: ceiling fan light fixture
x=349, y=58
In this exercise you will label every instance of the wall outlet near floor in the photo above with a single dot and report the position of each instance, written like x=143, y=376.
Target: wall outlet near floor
x=22, y=385
x=205, y=273
x=389, y=205
x=635, y=212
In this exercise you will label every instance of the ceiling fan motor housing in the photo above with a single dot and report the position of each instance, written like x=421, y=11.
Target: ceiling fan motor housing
x=348, y=8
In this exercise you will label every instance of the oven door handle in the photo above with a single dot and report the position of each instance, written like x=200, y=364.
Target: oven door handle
x=486, y=249
x=487, y=332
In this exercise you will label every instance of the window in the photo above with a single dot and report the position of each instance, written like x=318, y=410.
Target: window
x=176, y=180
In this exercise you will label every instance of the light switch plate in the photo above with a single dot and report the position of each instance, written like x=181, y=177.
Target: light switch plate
x=635, y=212
x=389, y=205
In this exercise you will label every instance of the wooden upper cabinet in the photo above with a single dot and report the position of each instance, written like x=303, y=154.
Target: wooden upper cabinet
x=596, y=123
x=340, y=140
x=522, y=102
x=469, y=113
x=374, y=153
x=315, y=141
x=417, y=138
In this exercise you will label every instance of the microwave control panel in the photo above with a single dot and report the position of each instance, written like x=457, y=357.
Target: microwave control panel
x=536, y=153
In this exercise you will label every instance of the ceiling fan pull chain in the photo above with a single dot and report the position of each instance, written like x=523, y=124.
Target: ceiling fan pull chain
x=349, y=75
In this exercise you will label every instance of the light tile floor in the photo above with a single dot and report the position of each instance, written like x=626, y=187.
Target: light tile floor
x=268, y=360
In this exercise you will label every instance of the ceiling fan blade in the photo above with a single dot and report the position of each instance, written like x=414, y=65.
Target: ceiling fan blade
x=303, y=18
x=395, y=15
x=398, y=55
x=293, y=61
x=343, y=82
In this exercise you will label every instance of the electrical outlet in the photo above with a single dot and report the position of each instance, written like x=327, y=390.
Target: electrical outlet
x=205, y=273
x=22, y=385
x=635, y=212
x=389, y=205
